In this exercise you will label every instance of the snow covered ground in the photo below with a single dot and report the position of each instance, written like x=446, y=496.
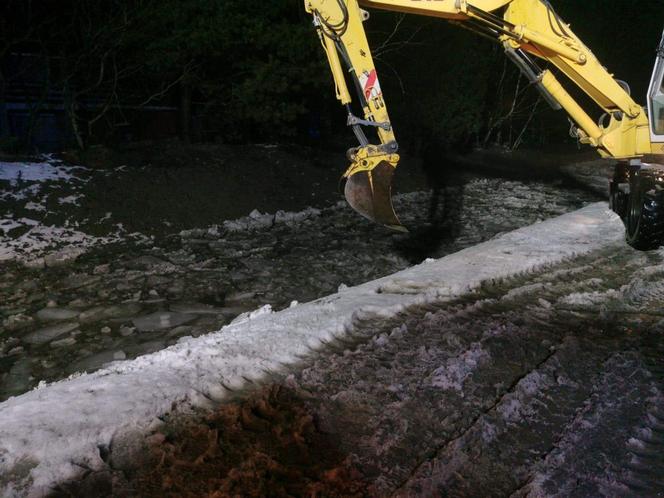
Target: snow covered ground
x=59, y=431
x=31, y=229
x=49, y=169
x=46, y=245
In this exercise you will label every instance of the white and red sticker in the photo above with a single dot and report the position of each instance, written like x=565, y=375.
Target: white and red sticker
x=370, y=84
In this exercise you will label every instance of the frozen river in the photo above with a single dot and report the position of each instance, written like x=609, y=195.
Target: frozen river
x=74, y=302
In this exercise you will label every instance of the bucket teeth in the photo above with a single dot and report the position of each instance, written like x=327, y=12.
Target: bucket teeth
x=370, y=194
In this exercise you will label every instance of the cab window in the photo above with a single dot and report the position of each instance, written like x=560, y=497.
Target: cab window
x=657, y=105
x=656, y=94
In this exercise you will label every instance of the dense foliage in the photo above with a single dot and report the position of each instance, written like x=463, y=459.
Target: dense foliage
x=253, y=71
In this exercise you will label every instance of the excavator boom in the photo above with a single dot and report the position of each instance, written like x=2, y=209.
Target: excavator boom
x=530, y=31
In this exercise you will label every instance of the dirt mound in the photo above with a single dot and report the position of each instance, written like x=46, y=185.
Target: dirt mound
x=268, y=445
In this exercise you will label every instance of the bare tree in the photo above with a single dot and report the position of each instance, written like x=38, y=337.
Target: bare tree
x=512, y=107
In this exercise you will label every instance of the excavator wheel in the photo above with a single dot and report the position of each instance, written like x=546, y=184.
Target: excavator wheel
x=644, y=220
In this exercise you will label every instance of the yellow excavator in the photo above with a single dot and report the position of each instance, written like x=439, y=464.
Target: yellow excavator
x=530, y=32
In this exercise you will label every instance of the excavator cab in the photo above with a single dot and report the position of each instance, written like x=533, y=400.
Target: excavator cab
x=656, y=97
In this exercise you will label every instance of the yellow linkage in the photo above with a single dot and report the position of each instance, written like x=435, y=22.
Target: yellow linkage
x=339, y=24
x=627, y=133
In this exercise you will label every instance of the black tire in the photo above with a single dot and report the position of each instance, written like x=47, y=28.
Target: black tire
x=645, y=214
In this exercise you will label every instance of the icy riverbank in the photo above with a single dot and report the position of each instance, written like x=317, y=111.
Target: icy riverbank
x=52, y=433
x=90, y=306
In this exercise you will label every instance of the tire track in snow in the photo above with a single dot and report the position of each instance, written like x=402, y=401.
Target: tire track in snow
x=481, y=461
x=608, y=448
x=584, y=337
x=592, y=378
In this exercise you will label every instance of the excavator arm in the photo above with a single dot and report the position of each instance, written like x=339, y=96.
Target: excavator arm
x=530, y=31
x=369, y=177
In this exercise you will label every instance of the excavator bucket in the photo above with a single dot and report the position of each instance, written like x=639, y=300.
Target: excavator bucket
x=370, y=194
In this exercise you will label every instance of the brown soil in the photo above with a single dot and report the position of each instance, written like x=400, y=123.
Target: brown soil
x=269, y=445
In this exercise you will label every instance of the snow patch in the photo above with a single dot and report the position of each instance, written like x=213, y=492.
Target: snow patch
x=49, y=170
x=257, y=220
x=33, y=206
x=31, y=241
x=586, y=299
x=252, y=315
x=40, y=241
x=70, y=199
x=454, y=373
